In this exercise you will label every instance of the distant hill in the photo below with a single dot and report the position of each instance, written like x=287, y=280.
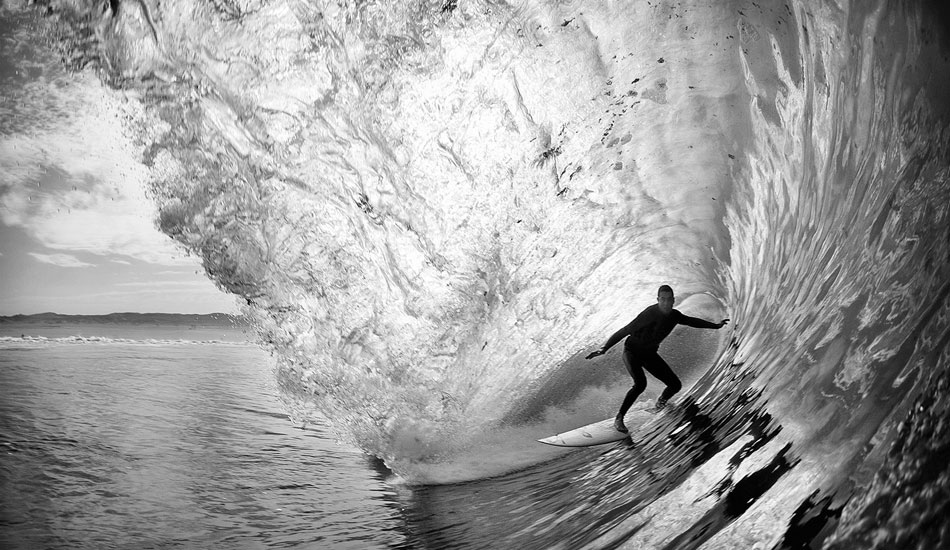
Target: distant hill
x=207, y=320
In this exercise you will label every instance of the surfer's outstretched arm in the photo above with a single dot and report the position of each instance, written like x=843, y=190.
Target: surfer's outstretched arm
x=696, y=322
x=612, y=341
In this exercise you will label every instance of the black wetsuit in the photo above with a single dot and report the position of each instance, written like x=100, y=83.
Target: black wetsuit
x=644, y=335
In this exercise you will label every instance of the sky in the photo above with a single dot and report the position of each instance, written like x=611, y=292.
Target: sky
x=77, y=231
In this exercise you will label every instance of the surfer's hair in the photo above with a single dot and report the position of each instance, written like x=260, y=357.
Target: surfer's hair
x=664, y=288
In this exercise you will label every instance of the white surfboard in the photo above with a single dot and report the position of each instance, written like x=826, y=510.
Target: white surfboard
x=597, y=433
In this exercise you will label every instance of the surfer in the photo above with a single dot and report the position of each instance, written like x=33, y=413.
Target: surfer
x=644, y=335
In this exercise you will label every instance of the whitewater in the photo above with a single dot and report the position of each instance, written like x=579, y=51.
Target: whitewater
x=434, y=210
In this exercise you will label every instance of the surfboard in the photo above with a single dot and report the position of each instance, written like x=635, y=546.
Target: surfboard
x=598, y=433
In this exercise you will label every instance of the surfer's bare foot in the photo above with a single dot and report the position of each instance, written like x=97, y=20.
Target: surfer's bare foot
x=660, y=404
x=619, y=426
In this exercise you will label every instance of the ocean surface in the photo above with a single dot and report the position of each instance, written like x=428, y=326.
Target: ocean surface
x=432, y=211
x=111, y=442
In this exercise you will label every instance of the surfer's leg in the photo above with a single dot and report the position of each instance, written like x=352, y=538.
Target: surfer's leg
x=639, y=384
x=655, y=365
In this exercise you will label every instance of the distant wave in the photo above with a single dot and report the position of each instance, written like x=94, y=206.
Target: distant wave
x=18, y=341
x=208, y=319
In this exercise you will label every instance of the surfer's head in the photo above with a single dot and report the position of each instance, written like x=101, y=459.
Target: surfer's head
x=664, y=297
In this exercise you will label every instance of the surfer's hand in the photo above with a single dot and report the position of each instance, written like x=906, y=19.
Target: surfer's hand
x=723, y=323
x=593, y=354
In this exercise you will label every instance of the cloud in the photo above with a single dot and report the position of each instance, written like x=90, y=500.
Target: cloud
x=76, y=184
x=60, y=260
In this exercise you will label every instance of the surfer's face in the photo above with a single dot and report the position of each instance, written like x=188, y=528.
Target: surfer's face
x=665, y=299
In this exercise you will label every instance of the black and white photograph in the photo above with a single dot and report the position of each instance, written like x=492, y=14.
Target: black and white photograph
x=475, y=274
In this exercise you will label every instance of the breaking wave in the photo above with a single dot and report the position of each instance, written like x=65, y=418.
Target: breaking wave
x=434, y=209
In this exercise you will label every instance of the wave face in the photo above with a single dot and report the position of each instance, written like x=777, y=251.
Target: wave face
x=433, y=209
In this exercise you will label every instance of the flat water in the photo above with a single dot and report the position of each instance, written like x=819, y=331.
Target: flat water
x=139, y=445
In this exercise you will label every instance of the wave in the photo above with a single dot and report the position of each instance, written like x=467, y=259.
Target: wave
x=433, y=210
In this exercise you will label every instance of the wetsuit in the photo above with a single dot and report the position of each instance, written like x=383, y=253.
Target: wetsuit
x=644, y=335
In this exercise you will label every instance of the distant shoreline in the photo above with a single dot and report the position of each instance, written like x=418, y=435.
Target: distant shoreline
x=129, y=318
